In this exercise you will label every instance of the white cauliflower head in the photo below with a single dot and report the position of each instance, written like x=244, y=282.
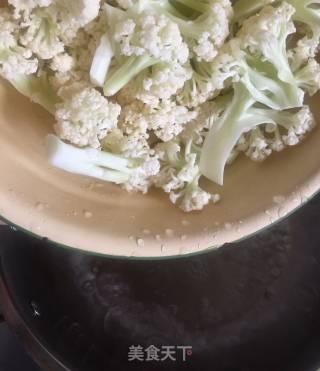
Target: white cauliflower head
x=154, y=35
x=42, y=34
x=162, y=83
x=29, y=5
x=142, y=177
x=14, y=59
x=85, y=117
x=179, y=176
x=288, y=129
x=169, y=119
x=211, y=30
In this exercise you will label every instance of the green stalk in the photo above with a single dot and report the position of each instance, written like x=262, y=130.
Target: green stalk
x=188, y=28
x=109, y=160
x=222, y=138
x=106, y=175
x=195, y=5
x=38, y=89
x=283, y=95
x=87, y=161
x=245, y=8
x=165, y=5
x=306, y=14
x=127, y=72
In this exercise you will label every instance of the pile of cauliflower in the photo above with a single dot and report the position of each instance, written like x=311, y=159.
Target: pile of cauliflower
x=162, y=93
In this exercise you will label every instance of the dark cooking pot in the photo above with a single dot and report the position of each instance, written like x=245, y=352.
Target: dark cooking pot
x=252, y=306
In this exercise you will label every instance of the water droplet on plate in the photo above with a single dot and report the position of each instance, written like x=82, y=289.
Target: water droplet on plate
x=228, y=226
x=99, y=185
x=169, y=232
x=282, y=212
x=39, y=206
x=140, y=242
x=279, y=199
x=91, y=186
x=87, y=214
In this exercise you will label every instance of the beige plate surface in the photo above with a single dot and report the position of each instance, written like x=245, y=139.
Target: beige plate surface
x=81, y=213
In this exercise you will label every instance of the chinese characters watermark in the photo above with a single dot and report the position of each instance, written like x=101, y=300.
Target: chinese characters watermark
x=164, y=353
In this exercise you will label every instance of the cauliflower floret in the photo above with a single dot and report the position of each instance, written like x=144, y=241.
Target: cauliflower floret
x=215, y=30
x=308, y=77
x=196, y=199
x=298, y=126
x=29, y=5
x=206, y=34
x=142, y=178
x=14, y=59
x=80, y=12
x=133, y=120
x=85, y=117
x=209, y=79
x=62, y=63
x=74, y=64
x=266, y=34
x=132, y=141
x=288, y=129
x=169, y=119
x=305, y=49
x=143, y=41
x=180, y=175
x=154, y=35
x=42, y=35
x=49, y=25
x=163, y=82
x=207, y=114
x=165, y=121
x=158, y=83
x=18, y=63
x=199, y=88
x=258, y=147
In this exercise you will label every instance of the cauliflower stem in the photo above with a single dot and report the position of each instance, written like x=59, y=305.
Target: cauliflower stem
x=38, y=89
x=132, y=67
x=88, y=161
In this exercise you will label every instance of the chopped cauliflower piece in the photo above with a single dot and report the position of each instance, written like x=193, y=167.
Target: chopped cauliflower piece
x=180, y=175
x=85, y=118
